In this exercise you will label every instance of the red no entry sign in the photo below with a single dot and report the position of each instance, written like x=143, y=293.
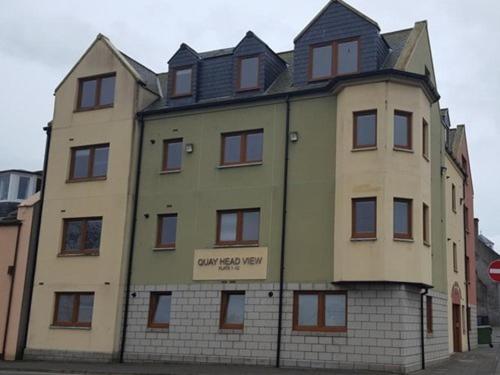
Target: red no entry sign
x=494, y=271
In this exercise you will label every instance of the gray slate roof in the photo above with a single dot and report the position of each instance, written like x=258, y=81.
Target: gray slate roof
x=147, y=75
x=396, y=41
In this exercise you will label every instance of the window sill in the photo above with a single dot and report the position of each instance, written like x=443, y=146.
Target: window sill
x=358, y=149
x=90, y=179
x=402, y=149
x=93, y=108
x=229, y=246
x=174, y=171
x=223, y=166
x=72, y=255
x=371, y=239
x=179, y=96
x=238, y=331
x=71, y=328
x=248, y=89
x=409, y=240
x=339, y=333
x=428, y=244
x=426, y=158
x=166, y=249
x=157, y=328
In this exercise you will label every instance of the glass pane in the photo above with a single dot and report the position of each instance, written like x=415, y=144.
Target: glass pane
x=254, y=146
x=93, y=234
x=322, y=62
x=335, y=305
x=86, y=307
x=183, y=82
x=100, y=162
x=366, y=132
x=107, y=91
x=4, y=186
x=235, y=313
x=162, y=313
x=401, y=131
x=168, y=230
x=251, y=224
x=365, y=216
x=65, y=308
x=88, y=98
x=73, y=235
x=81, y=163
x=24, y=184
x=227, y=228
x=232, y=149
x=348, y=57
x=249, y=73
x=401, y=224
x=308, y=310
x=174, y=155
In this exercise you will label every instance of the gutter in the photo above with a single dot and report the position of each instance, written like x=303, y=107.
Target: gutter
x=30, y=279
x=422, y=332
x=140, y=118
x=12, y=272
x=283, y=233
x=468, y=323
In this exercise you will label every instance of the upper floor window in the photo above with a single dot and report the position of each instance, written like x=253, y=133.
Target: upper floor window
x=320, y=311
x=425, y=139
x=167, y=231
x=232, y=310
x=453, y=198
x=4, y=186
x=23, y=188
x=403, y=218
x=159, y=309
x=89, y=162
x=96, y=92
x=183, y=81
x=238, y=227
x=425, y=224
x=82, y=236
x=172, y=155
x=73, y=309
x=455, y=257
x=364, y=218
x=402, y=130
x=248, y=74
x=365, y=129
x=242, y=147
x=333, y=58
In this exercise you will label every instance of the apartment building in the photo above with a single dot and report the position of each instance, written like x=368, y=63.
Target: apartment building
x=17, y=185
x=281, y=208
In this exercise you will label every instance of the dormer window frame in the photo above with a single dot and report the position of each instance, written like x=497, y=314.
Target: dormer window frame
x=239, y=71
x=173, y=93
x=335, y=54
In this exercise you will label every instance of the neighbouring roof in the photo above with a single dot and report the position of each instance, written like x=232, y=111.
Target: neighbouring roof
x=149, y=77
x=38, y=173
x=486, y=241
x=396, y=41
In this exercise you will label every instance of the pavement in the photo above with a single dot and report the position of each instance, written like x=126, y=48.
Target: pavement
x=483, y=361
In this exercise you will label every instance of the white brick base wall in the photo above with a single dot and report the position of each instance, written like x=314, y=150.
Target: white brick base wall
x=383, y=328
x=473, y=328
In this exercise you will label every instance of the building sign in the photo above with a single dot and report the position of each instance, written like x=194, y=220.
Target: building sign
x=249, y=263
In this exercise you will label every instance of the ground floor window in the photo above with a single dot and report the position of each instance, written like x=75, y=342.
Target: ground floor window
x=232, y=310
x=429, y=315
x=320, y=311
x=73, y=309
x=159, y=309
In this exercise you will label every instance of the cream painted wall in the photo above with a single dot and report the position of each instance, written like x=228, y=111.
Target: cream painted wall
x=111, y=199
x=383, y=173
x=455, y=234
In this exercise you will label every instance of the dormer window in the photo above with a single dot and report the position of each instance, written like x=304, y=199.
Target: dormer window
x=333, y=58
x=96, y=92
x=183, y=81
x=248, y=75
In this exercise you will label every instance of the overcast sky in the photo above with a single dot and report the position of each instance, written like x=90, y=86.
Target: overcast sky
x=41, y=40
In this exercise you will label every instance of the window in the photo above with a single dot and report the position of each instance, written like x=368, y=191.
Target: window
x=464, y=323
x=4, y=186
x=183, y=82
x=172, y=155
x=455, y=258
x=333, y=58
x=167, y=230
x=238, y=227
x=365, y=129
x=320, y=311
x=364, y=218
x=23, y=188
x=82, y=236
x=159, y=309
x=248, y=73
x=453, y=198
x=468, y=320
x=402, y=218
x=464, y=163
x=242, y=147
x=73, y=309
x=232, y=312
x=96, y=92
x=425, y=224
x=89, y=163
x=347, y=57
x=425, y=139
x=402, y=130
x=429, y=314
x=467, y=267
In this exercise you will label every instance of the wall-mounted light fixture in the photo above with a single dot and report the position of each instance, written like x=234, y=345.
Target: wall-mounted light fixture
x=294, y=136
x=189, y=148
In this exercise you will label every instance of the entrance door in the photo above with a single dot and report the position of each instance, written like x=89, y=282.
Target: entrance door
x=457, y=329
